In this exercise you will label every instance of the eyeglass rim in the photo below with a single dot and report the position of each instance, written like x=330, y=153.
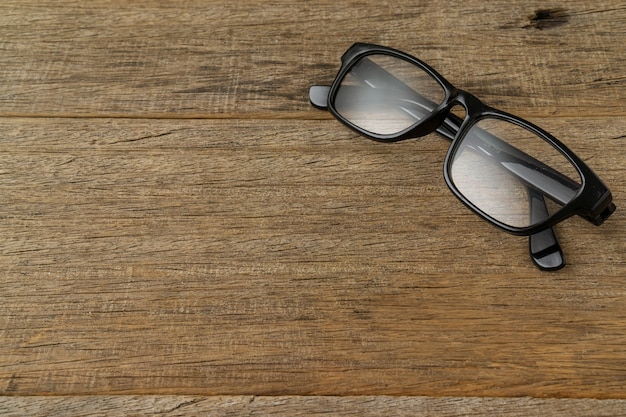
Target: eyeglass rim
x=359, y=51
x=563, y=213
x=593, y=200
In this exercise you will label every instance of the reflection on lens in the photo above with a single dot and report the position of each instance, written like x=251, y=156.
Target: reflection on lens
x=498, y=164
x=386, y=95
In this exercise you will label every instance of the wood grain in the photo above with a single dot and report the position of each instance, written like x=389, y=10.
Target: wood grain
x=208, y=257
x=177, y=220
x=237, y=59
x=171, y=406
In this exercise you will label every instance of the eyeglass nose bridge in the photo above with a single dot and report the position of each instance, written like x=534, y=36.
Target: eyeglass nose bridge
x=441, y=119
x=470, y=103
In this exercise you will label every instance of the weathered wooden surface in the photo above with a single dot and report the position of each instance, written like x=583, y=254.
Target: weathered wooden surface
x=246, y=58
x=366, y=406
x=176, y=219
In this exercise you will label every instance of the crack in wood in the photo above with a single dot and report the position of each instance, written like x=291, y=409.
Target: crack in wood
x=548, y=18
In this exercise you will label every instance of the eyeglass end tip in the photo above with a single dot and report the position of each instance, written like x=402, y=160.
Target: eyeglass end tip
x=318, y=95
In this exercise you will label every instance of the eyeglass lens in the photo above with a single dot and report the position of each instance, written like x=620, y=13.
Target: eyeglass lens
x=386, y=95
x=497, y=164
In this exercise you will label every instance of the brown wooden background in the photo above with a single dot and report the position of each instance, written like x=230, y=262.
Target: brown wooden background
x=182, y=233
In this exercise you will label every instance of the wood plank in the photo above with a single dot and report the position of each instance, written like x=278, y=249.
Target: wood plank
x=170, y=406
x=273, y=257
x=249, y=59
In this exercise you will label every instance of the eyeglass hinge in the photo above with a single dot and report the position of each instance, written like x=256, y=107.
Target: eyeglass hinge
x=606, y=212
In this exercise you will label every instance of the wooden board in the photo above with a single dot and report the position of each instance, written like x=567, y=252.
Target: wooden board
x=176, y=219
x=170, y=406
x=168, y=256
x=250, y=58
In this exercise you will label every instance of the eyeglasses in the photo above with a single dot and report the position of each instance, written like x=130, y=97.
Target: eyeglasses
x=510, y=172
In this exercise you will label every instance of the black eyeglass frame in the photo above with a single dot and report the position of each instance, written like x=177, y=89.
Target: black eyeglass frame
x=593, y=200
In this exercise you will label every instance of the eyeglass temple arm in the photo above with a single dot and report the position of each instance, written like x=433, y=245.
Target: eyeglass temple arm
x=318, y=96
x=544, y=247
x=545, y=250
